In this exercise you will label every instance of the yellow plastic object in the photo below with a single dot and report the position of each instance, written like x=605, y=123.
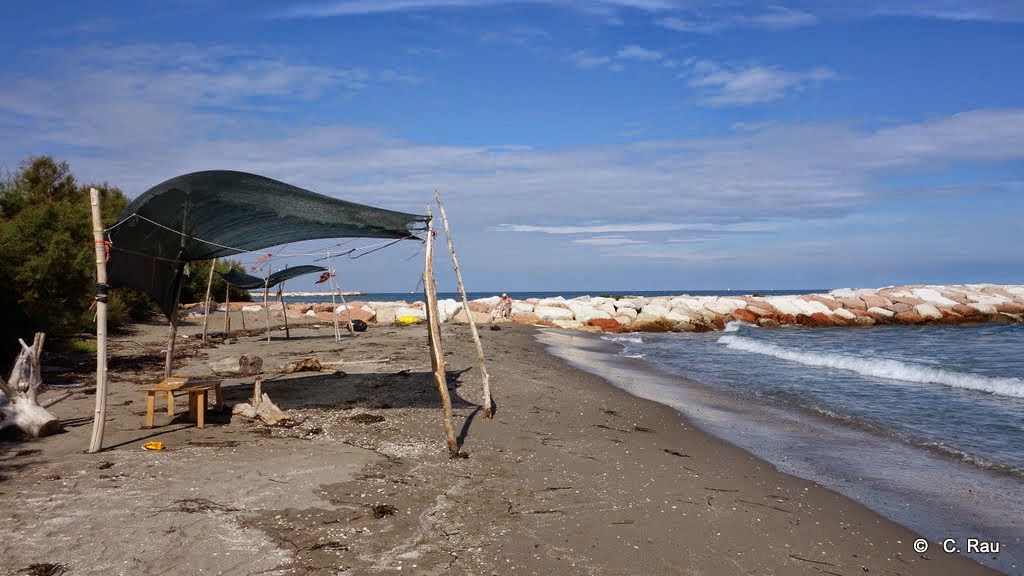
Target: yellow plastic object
x=153, y=445
x=408, y=320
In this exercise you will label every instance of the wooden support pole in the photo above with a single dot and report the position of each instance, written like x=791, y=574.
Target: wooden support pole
x=227, y=310
x=284, y=309
x=206, y=311
x=169, y=361
x=334, y=299
x=434, y=339
x=266, y=307
x=173, y=332
x=100, y=414
x=484, y=376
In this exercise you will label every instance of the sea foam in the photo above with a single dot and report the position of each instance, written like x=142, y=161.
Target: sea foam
x=883, y=368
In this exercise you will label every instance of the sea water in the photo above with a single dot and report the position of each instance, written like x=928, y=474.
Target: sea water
x=922, y=424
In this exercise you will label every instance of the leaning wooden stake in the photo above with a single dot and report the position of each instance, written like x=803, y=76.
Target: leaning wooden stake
x=434, y=339
x=465, y=306
x=348, y=309
x=209, y=284
x=100, y=414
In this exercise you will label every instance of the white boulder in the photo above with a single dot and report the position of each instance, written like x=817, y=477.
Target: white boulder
x=414, y=312
x=928, y=311
x=522, y=307
x=933, y=297
x=844, y=313
x=883, y=312
x=787, y=304
x=552, y=313
x=654, y=310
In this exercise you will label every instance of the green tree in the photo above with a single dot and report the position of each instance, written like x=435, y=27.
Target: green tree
x=47, y=257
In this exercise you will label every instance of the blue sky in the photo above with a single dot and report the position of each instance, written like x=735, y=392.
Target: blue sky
x=578, y=145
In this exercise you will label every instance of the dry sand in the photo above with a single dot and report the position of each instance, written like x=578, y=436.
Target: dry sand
x=572, y=476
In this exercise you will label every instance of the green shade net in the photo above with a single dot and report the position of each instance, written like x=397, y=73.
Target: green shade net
x=240, y=279
x=224, y=213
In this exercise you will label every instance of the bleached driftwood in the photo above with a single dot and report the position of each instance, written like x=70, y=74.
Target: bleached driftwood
x=19, y=402
x=261, y=408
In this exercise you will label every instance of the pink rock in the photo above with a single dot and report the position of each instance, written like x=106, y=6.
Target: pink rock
x=479, y=307
x=910, y=300
x=607, y=325
x=999, y=291
x=909, y=318
x=1010, y=308
x=967, y=311
x=874, y=301
x=763, y=309
x=899, y=307
x=832, y=304
x=745, y=315
x=816, y=320
x=955, y=296
x=357, y=314
x=527, y=318
x=853, y=304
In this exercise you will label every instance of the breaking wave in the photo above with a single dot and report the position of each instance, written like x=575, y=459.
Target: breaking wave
x=624, y=338
x=883, y=368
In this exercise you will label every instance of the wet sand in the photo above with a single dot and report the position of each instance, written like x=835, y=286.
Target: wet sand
x=572, y=476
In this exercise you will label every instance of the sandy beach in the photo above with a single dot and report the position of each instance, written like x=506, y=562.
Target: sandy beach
x=572, y=476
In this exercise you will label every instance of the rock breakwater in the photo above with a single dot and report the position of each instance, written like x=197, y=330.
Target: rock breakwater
x=900, y=305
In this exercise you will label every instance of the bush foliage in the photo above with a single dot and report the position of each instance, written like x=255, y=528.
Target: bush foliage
x=47, y=258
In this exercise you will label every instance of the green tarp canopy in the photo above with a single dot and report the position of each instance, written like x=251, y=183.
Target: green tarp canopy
x=219, y=213
x=240, y=279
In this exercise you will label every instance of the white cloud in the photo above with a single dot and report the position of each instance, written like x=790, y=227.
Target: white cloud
x=640, y=54
x=128, y=123
x=608, y=241
x=588, y=61
x=774, y=18
x=365, y=7
x=724, y=85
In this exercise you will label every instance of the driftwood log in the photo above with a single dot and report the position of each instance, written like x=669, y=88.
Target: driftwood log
x=263, y=409
x=20, y=408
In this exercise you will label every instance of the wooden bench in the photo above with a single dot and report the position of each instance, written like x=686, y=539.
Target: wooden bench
x=197, y=395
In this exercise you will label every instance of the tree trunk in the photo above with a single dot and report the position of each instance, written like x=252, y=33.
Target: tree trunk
x=19, y=395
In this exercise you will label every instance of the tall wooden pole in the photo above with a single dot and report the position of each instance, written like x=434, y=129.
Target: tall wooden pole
x=209, y=284
x=465, y=306
x=100, y=415
x=169, y=361
x=434, y=339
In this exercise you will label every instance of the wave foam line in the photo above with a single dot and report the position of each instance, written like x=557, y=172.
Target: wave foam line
x=883, y=368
